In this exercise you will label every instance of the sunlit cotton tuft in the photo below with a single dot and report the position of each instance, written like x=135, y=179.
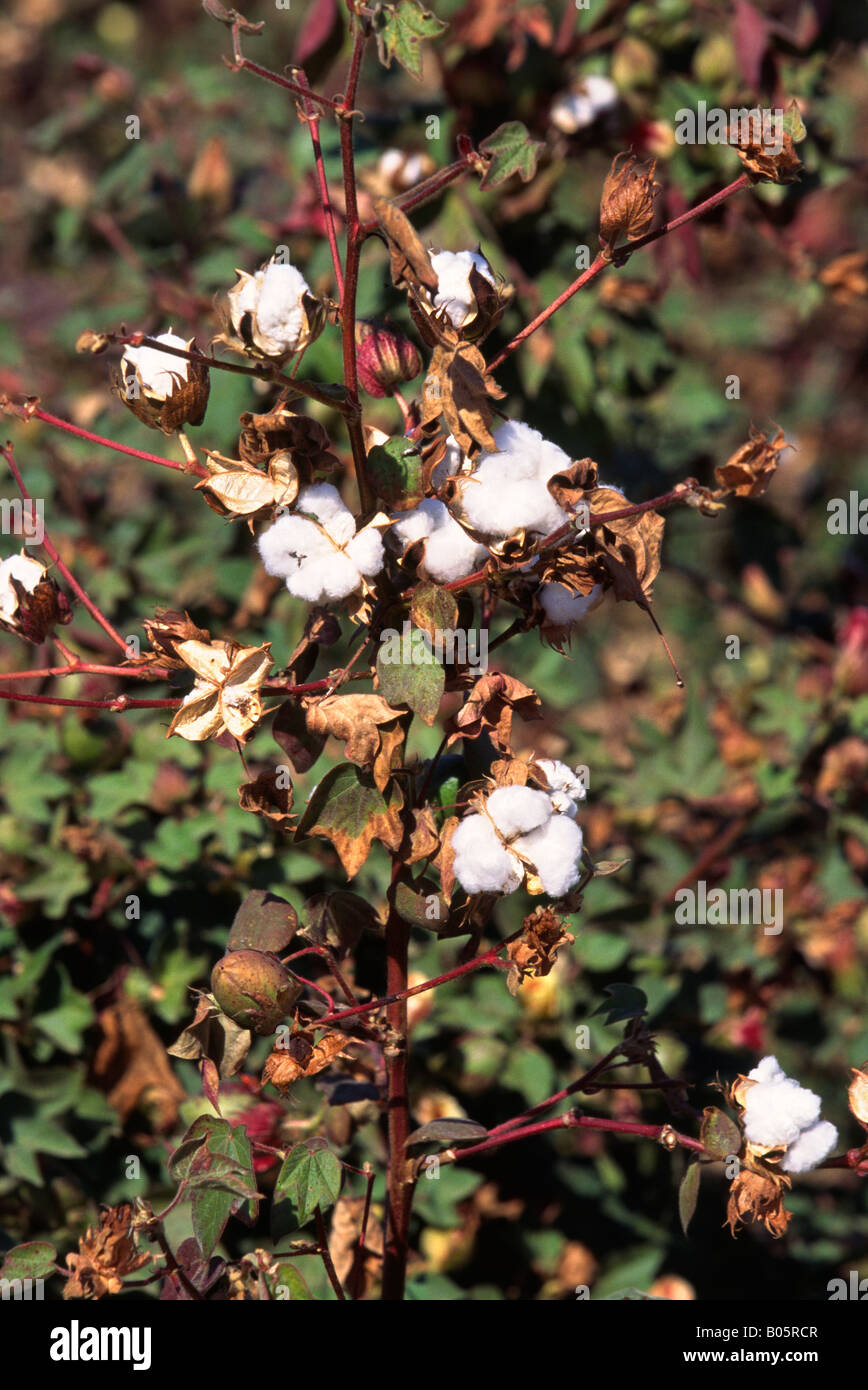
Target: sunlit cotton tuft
x=321, y=555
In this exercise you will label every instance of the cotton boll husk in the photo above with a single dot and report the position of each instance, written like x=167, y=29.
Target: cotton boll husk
x=482, y=864
x=333, y=576
x=555, y=850
x=161, y=372
x=563, y=607
x=450, y=464
x=366, y=551
x=517, y=810
x=813, y=1145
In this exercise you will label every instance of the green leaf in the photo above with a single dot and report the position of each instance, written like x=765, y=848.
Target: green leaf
x=347, y=808
x=449, y=1132
x=415, y=678
x=46, y=1137
x=509, y=150
x=35, y=1260
x=625, y=1001
x=309, y=1178
x=203, y=1129
x=433, y=609
x=688, y=1193
x=400, y=29
x=720, y=1134
x=263, y=922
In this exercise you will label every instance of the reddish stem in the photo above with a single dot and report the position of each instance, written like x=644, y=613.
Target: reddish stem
x=398, y=1113
x=571, y=1121
x=55, y=421
x=47, y=545
x=313, y=119
x=619, y=257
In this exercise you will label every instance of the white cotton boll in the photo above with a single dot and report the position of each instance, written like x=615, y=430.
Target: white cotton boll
x=329, y=577
x=414, y=170
x=366, y=551
x=453, y=283
x=516, y=810
x=280, y=316
x=390, y=162
x=499, y=505
x=813, y=1145
x=413, y=525
x=482, y=864
x=576, y=111
x=161, y=372
x=27, y=571
x=563, y=607
x=555, y=850
x=451, y=554
x=566, y=787
x=775, y=1111
x=514, y=438
x=323, y=501
x=289, y=541
x=769, y=1069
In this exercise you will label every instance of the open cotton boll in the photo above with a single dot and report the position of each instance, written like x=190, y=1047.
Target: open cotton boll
x=776, y=1111
x=813, y=1145
x=449, y=552
x=366, y=551
x=450, y=464
x=507, y=490
x=769, y=1069
x=516, y=440
x=275, y=295
x=482, y=864
x=516, y=810
x=321, y=558
x=576, y=111
x=160, y=372
x=563, y=607
x=555, y=849
x=454, y=293
x=27, y=571
x=566, y=787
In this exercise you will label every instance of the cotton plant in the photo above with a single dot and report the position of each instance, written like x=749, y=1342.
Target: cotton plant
x=458, y=515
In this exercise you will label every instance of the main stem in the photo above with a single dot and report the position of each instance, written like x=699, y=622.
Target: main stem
x=398, y=1189
x=355, y=237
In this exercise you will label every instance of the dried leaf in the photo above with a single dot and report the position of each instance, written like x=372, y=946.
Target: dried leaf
x=302, y=1054
x=627, y=204
x=370, y=728
x=459, y=388
x=130, y=1066
x=411, y=263
x=350, y=811
x=490, y=707
x=752, y=467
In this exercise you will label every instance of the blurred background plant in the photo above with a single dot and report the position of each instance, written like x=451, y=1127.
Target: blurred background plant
x=755, y=775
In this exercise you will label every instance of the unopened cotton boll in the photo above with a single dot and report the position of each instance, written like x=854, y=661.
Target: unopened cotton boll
x=323, y=557
x=454, y=293
x=813, y=1145
x=482, y=864
x=555, y=850
x=563, y=608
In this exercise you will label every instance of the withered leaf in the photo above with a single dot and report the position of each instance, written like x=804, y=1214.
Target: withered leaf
x=302, y=1054
x=752, y=467
x=411, y=263
x=130, y=1066
x=269, y=795
x=627, y=203
x=214, y=1037
x=490, y=707
x=459, y=388
x=370, y=728
x=348, y=809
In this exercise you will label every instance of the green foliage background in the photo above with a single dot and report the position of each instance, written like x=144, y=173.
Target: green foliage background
x=764, y=756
